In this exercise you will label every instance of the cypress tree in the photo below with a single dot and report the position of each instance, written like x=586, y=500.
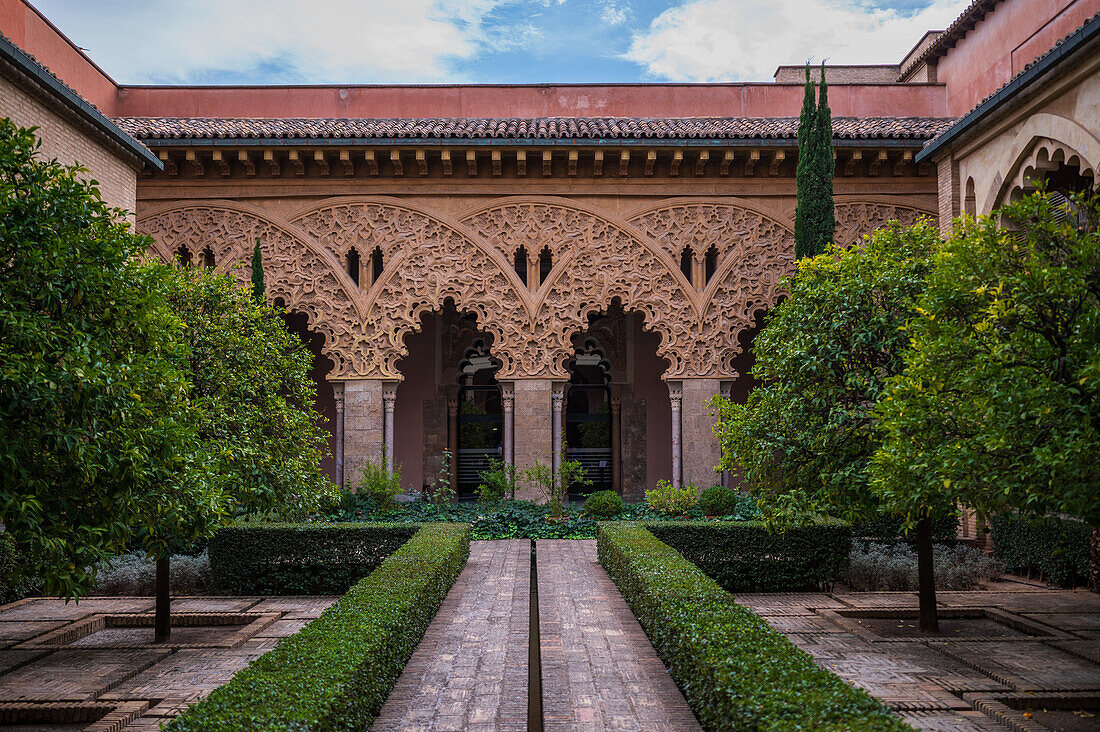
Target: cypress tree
x=805, y=173
x=258, y=287
x=826, y=214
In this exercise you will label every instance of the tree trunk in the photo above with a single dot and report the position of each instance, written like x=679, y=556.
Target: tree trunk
x=926, y=578
x=163, y=621
x=1094, y=559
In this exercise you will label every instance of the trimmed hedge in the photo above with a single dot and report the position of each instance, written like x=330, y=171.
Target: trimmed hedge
x=886, y=528
x=744, y=556
x=735, y=670
x=1056, y=549
x=338, y=670
x=300, y=559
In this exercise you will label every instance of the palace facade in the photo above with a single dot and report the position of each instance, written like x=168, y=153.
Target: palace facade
x=510, y=271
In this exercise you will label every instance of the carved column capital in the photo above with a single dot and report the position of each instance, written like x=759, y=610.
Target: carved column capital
x=507, y=396
x=389, y=395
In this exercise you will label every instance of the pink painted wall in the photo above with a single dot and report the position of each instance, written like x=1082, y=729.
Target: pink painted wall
x=32, y=32
x=1003, y=43
x=648, y=367
x=419, y=369
x=561, y=100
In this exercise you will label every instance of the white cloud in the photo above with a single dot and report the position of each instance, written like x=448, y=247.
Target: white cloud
x=614, y=13
x=730, y=40
x=295, y=40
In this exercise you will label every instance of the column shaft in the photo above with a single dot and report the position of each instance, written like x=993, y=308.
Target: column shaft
x=675, y=396
x=338, y=432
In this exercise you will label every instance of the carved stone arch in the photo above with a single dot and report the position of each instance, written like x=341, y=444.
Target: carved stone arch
x=1040, y=156
x=296, y=270
x=706, y=222
x=1053, y=133
x=597, y=260
x=858, y=218
x=429, y=259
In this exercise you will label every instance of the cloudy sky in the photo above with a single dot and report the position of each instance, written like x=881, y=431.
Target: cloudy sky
x=464, y=41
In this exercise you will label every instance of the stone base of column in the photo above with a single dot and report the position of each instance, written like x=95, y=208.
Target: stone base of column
x=701, y=453
x=532, y=430
x=363, y=422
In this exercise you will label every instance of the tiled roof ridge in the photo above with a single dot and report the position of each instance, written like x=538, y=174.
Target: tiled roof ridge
x=714, y=127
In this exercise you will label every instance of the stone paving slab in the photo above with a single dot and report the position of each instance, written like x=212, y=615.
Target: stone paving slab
x=599, y=670
x=470, y=670
x=70, y=675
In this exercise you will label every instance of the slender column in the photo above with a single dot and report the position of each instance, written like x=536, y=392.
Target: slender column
x=338, y=431
x=557, y=397
x=508, y=405
x=675, y=396
x=616, y=446
x=699, y=270
x=533, y=271
x=727, y=393
x=389, y=396
x=452, y=439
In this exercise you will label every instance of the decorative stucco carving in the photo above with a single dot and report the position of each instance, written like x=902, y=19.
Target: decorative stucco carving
x=705, y=224
x=856, y=219
x=1045, y=156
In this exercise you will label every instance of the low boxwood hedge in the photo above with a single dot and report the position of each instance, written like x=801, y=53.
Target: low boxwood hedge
x=745, y=556
x=336, y=672
x=300, y=559
x=1057, y=549
x=735, y=670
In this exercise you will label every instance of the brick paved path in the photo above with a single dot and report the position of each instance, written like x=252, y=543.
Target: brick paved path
x=599, y=671
x=470, y=671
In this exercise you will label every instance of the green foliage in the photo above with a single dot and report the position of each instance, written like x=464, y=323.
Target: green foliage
x=95, y=421
x=668, y=500
x=553, y=485
x=746, y=556
x=888, y=528
x=893, y=567
x=299, y=559
x=815, y=217
x=337, y=671
x=735, y=670
x=380, y=484
x=259, y=289
x=15, y=583
x=603, y=504
x=805, y=436
x=440, y=490
x=1056, y=549
x=999, y=406
x=262, y=441
x=718, y=501
x=497, y=483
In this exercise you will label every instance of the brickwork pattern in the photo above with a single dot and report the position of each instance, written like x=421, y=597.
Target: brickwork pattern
x=470, y=670
x=69, y=144
x=701, y=452
x=533, y=427
x=599, y=671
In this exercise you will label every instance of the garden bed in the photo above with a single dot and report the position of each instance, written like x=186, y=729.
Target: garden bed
x=337, y=671
x=735, y=671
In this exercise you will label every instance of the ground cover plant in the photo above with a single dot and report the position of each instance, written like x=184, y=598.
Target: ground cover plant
x=735, y=670
x=513, y=519
x=134, y=573
x=337, y=671
x=873, y=566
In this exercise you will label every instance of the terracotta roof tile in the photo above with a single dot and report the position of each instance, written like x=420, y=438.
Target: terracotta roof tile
x=540, y=128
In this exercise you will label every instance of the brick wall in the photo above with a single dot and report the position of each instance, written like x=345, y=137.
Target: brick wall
x=68, y=143
x=700, y=450
x=947, y=180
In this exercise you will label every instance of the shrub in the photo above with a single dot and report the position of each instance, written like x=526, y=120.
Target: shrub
x=135, y=574
x=893, y=566
x=735, y=670
x=380, y=484
x=603, y=504
x=300, y=559
x=887, y=528
x=718, y=501
x=744, y=555
x=14, y=582
x=337, y=671
x=669, y=500
x=1056, y=549
x=497, y=483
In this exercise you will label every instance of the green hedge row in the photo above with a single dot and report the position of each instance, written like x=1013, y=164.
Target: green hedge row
x=1056, y=549
x=735, y=670
x=888, y=528
x=300, y=559
x=744, y=556
x=336, y=672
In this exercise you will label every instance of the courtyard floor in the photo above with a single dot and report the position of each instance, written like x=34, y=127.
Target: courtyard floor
x=1016, y=657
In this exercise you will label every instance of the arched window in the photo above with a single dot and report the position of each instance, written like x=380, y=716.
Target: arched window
x=546, y=263
x=711, y=262
x=686, y=257
x=183, y=254
x=970, y=205
x=208, y=258
x=353, y=265
x=520, y=263
x=377, y=265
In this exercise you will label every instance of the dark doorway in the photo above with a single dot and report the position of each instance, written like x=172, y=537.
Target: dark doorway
x=479, y=420
x=588, y=419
